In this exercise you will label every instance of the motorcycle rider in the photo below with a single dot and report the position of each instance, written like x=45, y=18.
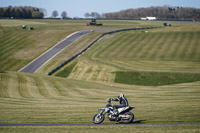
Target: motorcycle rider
x=123, y=102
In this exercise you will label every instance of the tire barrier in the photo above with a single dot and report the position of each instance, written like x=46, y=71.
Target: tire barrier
x=84, y=50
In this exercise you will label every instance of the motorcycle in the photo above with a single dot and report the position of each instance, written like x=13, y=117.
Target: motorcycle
x=122, y=114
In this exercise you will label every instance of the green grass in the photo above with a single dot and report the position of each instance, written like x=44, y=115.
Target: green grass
x=106, y=129
x=65, y=72
x=35, y=98
x=176, y=46
x=27, y=98
x=69, y=52
x=155, y=78
x=137, y=51
x=43, y=99
x=19, y=47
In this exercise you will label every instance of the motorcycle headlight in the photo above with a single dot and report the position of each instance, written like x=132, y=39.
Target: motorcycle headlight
x=107, y=110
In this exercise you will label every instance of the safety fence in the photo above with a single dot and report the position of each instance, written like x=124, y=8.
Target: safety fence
x=80, y=53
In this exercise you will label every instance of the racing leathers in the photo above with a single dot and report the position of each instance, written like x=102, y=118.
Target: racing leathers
x=122, y=100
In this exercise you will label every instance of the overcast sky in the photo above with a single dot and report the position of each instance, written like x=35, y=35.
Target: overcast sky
x=77, y=8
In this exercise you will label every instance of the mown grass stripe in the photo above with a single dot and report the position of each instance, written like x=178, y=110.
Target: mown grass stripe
x=132, y=45
x=18, y=44
x=182, y=46
x=176, y=46
x=113, y=47
x=191, y=45
x=119, y=50
x=108, y=47
x=12, y=39
x=135, y=45
x=13, y=90
x=22, y=86
x=160, y=50
x=33, y=89
x=42, y=88
x=125, y=50
x=61, y=89
x=10, y=63
x=53, y=89
x=150, y=45
x=3, y=85
x=169, y=42
x=166, y=47
x=141, y=44
x=189, y=42
x=195, y=49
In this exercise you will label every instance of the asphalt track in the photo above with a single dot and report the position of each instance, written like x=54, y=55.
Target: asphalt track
x=118, y=124
x=45, y=57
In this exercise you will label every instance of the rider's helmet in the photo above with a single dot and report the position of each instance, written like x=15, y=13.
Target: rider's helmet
x=120, y=95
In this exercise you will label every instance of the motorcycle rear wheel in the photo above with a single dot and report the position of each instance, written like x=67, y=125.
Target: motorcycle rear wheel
x=130, y=118
x=98, y=118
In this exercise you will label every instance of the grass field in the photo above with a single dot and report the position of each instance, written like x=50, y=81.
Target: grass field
x=18, y=47
x=90, y=79
x=27, y=98
x=137, y=51
x=155, y=78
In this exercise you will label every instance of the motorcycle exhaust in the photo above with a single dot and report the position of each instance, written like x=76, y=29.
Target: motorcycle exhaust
x=124, y=116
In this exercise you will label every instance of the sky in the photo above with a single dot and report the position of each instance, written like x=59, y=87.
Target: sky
x=77, y=8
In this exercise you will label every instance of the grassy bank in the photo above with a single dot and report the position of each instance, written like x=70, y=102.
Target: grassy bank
x=170, y=53
x=155, y=78
x=27, y=98
x=19, y=47
x=65, y=72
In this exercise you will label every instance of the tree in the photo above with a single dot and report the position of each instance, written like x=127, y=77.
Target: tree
x=37, y=14
x=43, y=10
x=64, y=15
x=87, y=15
x=18, y=14
x=157, y=11
x=93, y=15
x=54, y=14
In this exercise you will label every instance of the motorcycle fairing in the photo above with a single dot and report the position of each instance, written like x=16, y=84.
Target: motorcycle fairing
x=125, y=109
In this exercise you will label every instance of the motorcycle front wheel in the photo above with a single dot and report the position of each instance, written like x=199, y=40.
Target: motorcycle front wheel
x=98, y=118
x=129, y=117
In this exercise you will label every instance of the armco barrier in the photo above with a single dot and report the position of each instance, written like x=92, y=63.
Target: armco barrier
x=80, y=53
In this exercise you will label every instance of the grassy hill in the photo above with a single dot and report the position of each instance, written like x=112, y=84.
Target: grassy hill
x=28, y=98
x=91, y=79
x=173, y=51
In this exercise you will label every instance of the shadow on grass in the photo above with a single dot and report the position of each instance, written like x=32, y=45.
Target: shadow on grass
x=138, y=121
x=2, y=71
x=135, y=122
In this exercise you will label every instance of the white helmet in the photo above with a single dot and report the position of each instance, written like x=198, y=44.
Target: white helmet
x=120, y=95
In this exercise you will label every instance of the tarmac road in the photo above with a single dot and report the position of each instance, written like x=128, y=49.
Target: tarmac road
x=48, y=55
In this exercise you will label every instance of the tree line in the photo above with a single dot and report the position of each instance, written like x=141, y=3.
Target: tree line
x=56, y=14
x=157, y=11
x=26, y=12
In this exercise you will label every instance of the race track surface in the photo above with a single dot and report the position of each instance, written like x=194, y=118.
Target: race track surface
x=45, y=57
